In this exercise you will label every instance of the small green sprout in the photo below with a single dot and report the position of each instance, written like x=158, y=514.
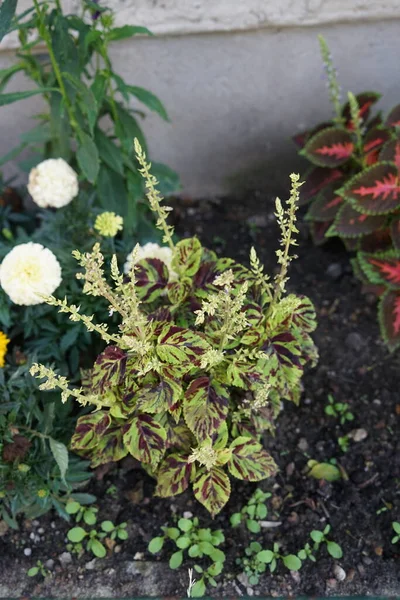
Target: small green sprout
x=340, y=410
x=319, y=537
x=307, y=553
x=256, y=561
x=396, y=529
x=344, y=442
x=39, y=569
x=253, y=512
x=87, y=513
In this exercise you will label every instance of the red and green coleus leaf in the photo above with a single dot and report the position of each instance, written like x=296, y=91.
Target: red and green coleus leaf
x=373, y=142
x=374, y=191
x=89, y=429
x=109, y=369
x=283, y=357
x=318, y=230
x=329, y=148
x=145, y=439
x=158, y=396
x=393, y=118
x=187, y=257
x=205, y=407
x=180, y=347
x=377, y=241
x=364, y=100
x=395, y=231
x=300, y=139
x=212, y=489
x=382, y=267
x=249, y=460
x=304, y=315
x=351, y=223
x=317, y=180
x=174, y=475
x=389, y=318
x=391, y=152
x=326, y=206
x=110, y=447
x=151, y=278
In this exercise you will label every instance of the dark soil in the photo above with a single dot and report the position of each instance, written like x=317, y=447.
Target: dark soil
x=354, y=367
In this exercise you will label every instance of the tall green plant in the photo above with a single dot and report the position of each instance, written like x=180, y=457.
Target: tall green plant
x=88, y=119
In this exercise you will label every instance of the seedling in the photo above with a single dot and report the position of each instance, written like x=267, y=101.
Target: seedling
x=326, y=471
x=253, y=512
x=39, y=569
x=198, y=542
x=396, y=528
x=340, y=410
x=307, y=553
x=87, y=513
x=112, y=491
x=319, y=537
x=344, y=442
x=256, y=561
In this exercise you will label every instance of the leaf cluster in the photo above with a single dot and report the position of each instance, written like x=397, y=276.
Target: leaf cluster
x=92, y=114
x=253, y=512
x=199, y=365
x=339, y=410
x=353, y=193
x=198, y=543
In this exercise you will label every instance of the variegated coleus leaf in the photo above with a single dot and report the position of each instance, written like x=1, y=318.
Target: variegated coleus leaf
x=249, y=460
x=395, y=231
x=151, y=278
x=179, y=436
x=212, y=489
x=317, y=180
x=391, y=152
x=326, y=205
x=389, y=318
x=329, y=148
x=110, y=447
x=300, y=139
x=159, y=396
x=364, y=100
x=205, y=407
x=109, y=369
x=373, y=143
x=187, y=257
x=283, y=363
x=382, y=267
x=89, y=429
x=145, y=439
x=178, y=291
x=377, y=241
x=174, y=475
x=351, y=223
x=318, y=230
x=182, y=348
x=393, y=118
x=303, y=315
x=374, y=191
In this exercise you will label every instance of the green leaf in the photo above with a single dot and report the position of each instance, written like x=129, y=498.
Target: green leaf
x=324, y=471
x=151, y=278
x=396, y=526
x=216, y=568
x=185, y=525
x=60, y=454
x=216, y=555
x=122, y=534
x=194, y=551
x=187, y=256
x=183, y=542
x=88, y=157
x=236, y=519
x=334, y=549
x=149, y=99
x=181, y=347
x=15, y=96
x=7, y=12
x=145, y=439
x=265, y=556
x=254, y=579
x=127, y=31
x=97, y=548
x=205, y=407
x=249, y=461
x=72, y=507
x=173, y=475
x=317, y=536
x=109, y=370
x=107, y=526
x=176, y=560
x=76, y=535
x=168, y=179
x=253, y=526
x=89, y=516
x=88, y=102
x=261, y=511
x=212, y=489
x=199, y=589
x=109, y=152
x=292, y=562
x=156, y=545
x=33, y=570
x=112, y=193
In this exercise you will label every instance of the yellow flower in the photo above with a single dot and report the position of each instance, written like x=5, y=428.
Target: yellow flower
x=4, y=341
x=108, y=224
x=42, y=493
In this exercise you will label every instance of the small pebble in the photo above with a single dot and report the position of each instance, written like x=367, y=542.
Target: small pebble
x=250, y=591
x=41, y=530
x=89, y=566
x=139, y=556
x=340, y=573
x=334, y=271
x=358, y=435
x=65, y=558
x=49, y=563
x=35, y=523
x=187, y=514
x=302, y=444
x=27, y=551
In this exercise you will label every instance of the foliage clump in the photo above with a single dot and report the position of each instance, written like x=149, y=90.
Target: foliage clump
x=198, y=367
x=353, y=191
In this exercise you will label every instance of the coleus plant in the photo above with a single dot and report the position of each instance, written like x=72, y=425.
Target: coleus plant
x=199, y=366
x=353, y=192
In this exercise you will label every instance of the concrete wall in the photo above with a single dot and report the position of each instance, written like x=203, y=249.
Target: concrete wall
x=238, y=78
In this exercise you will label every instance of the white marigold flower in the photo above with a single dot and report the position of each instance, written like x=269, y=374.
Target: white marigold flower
x=108, y=224
x=152, y=250
x=29, y=272
x=53, y=183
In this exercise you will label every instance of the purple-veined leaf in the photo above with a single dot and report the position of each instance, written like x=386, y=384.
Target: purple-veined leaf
x=389, y=318
x=212, y=489
x=174, y=475
x=373, y=142
x=205, y=407
x=300, y=139
x=375, y=191
x=89, y=429
x=145, y=439
x=249, y=460
x=391, y=152
x=326, y=205
x=378, y=240
x=318, y=230
x=351, y=223
x=151, y=278
x=393, y=118
x=181, y=347
x=364, y=100
x=109, y=448
x=317, y=180
x=329, y=148
x=109, y=369
x=187, y=256
x=158, y=396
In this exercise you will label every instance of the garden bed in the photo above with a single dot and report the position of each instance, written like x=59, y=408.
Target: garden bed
x=354, y=367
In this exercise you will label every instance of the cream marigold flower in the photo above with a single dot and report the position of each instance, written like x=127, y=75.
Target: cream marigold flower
x=152, y=250
x=53, y=183
x=29, y=272
x=4, y=341
x=108, y=224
